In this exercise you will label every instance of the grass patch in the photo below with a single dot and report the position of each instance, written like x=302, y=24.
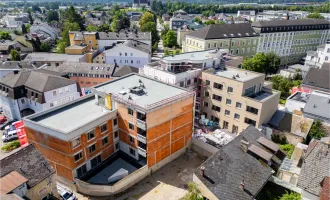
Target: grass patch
x=11, y=146
x=282, y=101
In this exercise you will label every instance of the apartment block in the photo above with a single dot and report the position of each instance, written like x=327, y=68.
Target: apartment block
x=127, y=124
x=235, y=98
x=318, y=57
x=291, y=39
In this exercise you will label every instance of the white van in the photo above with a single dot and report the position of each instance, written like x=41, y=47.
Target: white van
x=11, y=135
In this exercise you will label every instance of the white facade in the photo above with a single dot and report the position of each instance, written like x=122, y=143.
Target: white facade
x=12, y=107
x=106, y=43
x=124, y=55
x=44, y=28
x=14, y=19
x=318, y=57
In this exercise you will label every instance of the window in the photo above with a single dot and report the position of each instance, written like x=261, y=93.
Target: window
x=227, y=112
x=216, y=108
x=249, y=91
x=217, y=86
x=252, y=110
x=104, y=128
x=216, y=97
x=131, y=54
x=96, y=161
x=116, y=134
x=131, y=126
x=225, y=125
x=236, y=116
x=81, y=170
x=195, y=80
x=228, y=101
x=181, y=84
x=90, y=135
x=208, y=82
x=131, y=139
x=32, y=93
x=206, y=93
x=130, y=111
x=326, y=58
x=131, y=61
x=250, y=121
x=125, y=54
x=105, y=141
x=51, y=104
x=230, y=90
x=189, y=82
x=77, y=156
x=23, y=101
x=115, y=122
x=215, y=119
x=117, y=146
x=75, y=143
x=206, y=104
x=54, y=93
x=205, y=114
x=238, y=105
x=132, y=151
x=92, y=148
x=60, y=90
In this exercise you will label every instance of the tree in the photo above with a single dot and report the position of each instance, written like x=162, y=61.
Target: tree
x=52, y=15
x=315, y=15
x=198, y=20
x=193, y=192
x=70, y=15
x=146, y=17
x=67, y=28
x=148, y=24
x=264, y=63
x=54, y=6
x=44, y=47
x=317, y=130
x=288, y=148
x=209, y=22
x=282, y=84
x=36, y=8
x=290, y=196
x=30, y=18
x=166, y=52
x=15, y=55
x=91, y=28
x=28, y=26
x=104, y=28
x=24, y=31
x=4, y=35
x=171, y=39
x=60, y=47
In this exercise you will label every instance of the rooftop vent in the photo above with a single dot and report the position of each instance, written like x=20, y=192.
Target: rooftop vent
x=138, y=90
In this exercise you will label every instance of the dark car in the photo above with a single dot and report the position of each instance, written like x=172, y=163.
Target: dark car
x=2, y=126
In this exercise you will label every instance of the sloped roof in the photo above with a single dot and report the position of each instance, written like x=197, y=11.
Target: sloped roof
x=275, y=23
x=315, y=168
x=319, y=78
x=125, y=70
x=140, y=46
x=224, y=31
x=226, y=169
x=318, y=104
x=29, y=163
x=11, y=181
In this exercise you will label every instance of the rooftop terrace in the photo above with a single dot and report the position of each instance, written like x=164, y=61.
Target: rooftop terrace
x=235, y=73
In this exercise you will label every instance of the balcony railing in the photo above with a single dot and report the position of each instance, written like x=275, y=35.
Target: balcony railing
x=142, y=152
x=141, y=138
x=141, y=124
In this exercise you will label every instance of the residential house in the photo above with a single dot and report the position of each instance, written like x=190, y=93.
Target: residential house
x=89, y=136
x=317, y=79
x=296, y=69
x=240, y=169
x=23, y=44
x=53, y=59
x=132, y=53
x=45, y=29
x=240, y=39
x=318, y=57
x=177, y=21
x=6, y=46
x=26, y=173
x=27, y=92
x=185, y=29
x=141, y=3
x=250, y=15
x=318, y=106
x=7, y=67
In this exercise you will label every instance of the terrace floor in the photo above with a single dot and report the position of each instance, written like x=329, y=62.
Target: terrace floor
x=168, y=183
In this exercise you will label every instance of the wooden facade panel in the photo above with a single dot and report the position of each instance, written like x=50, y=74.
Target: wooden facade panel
x=159, y=116
x=180, y=132
x=182, y=107
x=158, y=143
x=182, y=119
x=64, y=172
x=177, y=145
x=163, y=153
x=124, y=138
x=187, y=138
x=158, y=131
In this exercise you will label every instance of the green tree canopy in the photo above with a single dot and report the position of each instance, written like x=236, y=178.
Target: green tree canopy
x=193, y=192
x=52, y=15
x=36, y=8
x=45, y=47
x=104, y=28
x=60, y=47
x=71, y=16
x=282, y=84
x=30, y=18
x=288, y=148
x=91, y=28
x=15, y=55
x=171, y=39
x=24, y=30
x=4, y=35
x=148, y=24
x=315, y=15
x=198, y=20
x=209, y=22
x=317, y=131
x=291, y=196
x=264, y=63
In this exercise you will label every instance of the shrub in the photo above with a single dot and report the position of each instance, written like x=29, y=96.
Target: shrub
x=11, y=146
x=288, y=148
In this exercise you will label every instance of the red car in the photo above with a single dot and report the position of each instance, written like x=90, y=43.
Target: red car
x=3, y=119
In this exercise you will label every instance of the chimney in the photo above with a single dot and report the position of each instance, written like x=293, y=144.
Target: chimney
x=203, y=170
x=244, y=145
x=241, y=185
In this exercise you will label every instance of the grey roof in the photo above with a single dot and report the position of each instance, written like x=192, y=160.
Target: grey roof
x=52, y=57
x=315, y=167
x=36, y=80
x=124, y=36
x=224, y=31
x=140, y=46
x=29, y=163
x=77, y=35
x=317, y=78
x=318, y=105
x=276, y=118
x=83, y=68
x=303, y=68
x=276, y=23
x=226, y=169
x=124, y=70
x=325, y=66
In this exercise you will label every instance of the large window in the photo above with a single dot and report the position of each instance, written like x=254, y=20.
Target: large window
x=218, y=86
x=104, y=128
x=92, y=148
x=75, y=143
x=77, y=156
x=215, y=119
x=131, y=139
x=116, y=134
x=249, y=91
x=206, y=104
x=81, y=170
x=132, y=151
x=230, y=90
x=96, y=161
x=105, y=140
x=250, y=121
x=90, y=135
x=216, y=97
x=228, y=101
x=216, y=108
x=252, y=110
x=130, y=111
x=238, y=105
x=131, y=126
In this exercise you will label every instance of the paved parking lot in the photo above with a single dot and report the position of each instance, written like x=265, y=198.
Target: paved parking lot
x=3, y=154
x=168, y=183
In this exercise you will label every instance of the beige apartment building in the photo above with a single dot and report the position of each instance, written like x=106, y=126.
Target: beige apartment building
x=235, y=98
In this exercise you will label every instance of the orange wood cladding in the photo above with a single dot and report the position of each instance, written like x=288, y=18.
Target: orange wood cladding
x=158, y=131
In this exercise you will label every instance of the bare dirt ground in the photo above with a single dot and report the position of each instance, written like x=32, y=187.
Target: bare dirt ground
x=168, y=183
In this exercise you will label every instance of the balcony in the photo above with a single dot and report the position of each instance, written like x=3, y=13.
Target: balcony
x=142, y=149
x=141, y=121
x=142, y=136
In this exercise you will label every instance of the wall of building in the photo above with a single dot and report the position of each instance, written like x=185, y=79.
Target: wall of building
x=88, y=82
x=20, y=190
x=103, y=43
x=203, y=148
x=61, y=95
x=42, y=189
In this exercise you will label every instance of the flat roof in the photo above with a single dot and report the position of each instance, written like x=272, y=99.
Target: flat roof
x=300, y=96
x=52, y=57
x=71, y=116
x=156, y=93
x=194, y=56
x=239, y=74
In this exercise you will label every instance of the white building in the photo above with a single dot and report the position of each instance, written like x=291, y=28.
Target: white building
x=132, y=53
x=25, y=92
x=318, y=57
x=13, y=19
x=247, y=14
x=45, y=29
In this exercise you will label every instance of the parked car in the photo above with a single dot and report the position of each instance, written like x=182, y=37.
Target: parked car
x=66, y=195
x=3, y=119
x=5, y=124
x=11, y=135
